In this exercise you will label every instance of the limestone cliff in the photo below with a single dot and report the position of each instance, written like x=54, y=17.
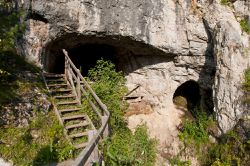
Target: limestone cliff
x=159, y=44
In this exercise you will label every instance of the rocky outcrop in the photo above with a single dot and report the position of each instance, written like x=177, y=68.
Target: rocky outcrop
x=159, y=44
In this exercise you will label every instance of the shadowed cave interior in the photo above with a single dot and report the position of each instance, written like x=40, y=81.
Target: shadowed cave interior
x=188, y=95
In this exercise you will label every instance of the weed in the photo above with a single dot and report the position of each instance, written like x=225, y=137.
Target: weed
x=225, y=2
x=245, y=26
x=247, y=80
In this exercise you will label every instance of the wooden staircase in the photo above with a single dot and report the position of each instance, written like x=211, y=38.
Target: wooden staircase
x=72, y=96
x=69, y=110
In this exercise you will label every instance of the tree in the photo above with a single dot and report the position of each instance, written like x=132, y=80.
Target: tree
x=10, y=26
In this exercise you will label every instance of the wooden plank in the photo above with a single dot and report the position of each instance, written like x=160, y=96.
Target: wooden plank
x=69, y=110
x=67, y=103
x=78, y=135
x=82, y=145
x=56, y=85
x=73, y=117
x=64, y=96
x=61, y=90
x=77, y=125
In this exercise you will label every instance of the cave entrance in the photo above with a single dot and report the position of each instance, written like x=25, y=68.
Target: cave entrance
x=187, y=95
x=84, y=57
x=85, y=50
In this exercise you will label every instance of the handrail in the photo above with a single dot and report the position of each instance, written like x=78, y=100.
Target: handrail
x=102, y=131
x=104, y=108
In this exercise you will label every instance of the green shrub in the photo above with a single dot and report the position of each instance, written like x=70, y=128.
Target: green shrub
x=123, y=148
x=245, y=26
x=109, y=85
x=230, y=150
x=195, y=132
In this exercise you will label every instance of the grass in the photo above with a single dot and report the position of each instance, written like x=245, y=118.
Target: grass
x=245, y=26
x=39, y=143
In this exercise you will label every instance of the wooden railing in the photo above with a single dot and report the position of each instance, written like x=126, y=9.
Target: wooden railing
x=83, y=91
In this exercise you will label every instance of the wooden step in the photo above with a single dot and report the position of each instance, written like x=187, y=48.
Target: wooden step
x=52, y=75
x=61, y=90
x=82, y=145
x=65, y=96
x=55, y=80
x=69, y=110
x=73, y=117
x=85, y=123
x=56, y=85
x=67, y=103
x=78, y=135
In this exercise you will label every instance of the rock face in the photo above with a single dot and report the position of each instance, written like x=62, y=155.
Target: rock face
x=159, y=44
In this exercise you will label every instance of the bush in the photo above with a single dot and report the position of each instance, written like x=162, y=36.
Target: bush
x=231, y=150
x=195, y=132
x=123, y=147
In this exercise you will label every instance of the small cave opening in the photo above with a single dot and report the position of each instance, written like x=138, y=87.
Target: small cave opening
x=187, y=95
x=84, y=57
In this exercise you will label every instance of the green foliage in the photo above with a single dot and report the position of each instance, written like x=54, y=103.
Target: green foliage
x=39, y=143
x=109, y=85
x=124, y=147
x=245, y=26
x=9, y=27
x=225, y=2
x=231, y=150
x=247, y=80
x=195, y=132
x=175, y=161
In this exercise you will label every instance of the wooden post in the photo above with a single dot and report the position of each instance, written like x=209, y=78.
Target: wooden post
x=94, y=157
x=106, y=130
x=66, y=67
x=78, y=88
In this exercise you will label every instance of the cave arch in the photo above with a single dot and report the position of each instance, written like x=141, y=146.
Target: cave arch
x=190, y=92
x=84, y=50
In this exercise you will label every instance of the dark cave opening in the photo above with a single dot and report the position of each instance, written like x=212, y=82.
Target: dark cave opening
x=84, y=57
x=85, y=50
x=188, y=95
